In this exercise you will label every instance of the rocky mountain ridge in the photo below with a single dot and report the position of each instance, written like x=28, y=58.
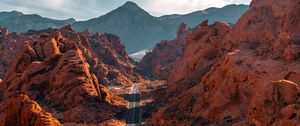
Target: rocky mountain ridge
x=18, y=22
x=59, y=74
x=121, y=21
x=247, y=74
x=217, y=74
x=133, y=24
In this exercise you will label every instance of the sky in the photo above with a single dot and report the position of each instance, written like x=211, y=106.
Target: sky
x=87, y=9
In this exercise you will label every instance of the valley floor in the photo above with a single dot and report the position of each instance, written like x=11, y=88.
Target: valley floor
x=143, y=99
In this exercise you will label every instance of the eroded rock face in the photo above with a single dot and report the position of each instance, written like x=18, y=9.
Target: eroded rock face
x=8, y=52
x=59, y=69
x=268, y=27
x=22, y=111
x=254, y=78
x=277, y=98
x=160, y=61
x=104, y=52
x=228, y=89
x=203, y=50
x=112, y=66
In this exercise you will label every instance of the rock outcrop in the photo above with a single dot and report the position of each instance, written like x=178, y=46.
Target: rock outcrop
x=270, y=28
x=277, y=98
x=104, y=53
x=252, y=77
x=60, y=69
x=158, y=63
x=203, y=50
x=22, y=111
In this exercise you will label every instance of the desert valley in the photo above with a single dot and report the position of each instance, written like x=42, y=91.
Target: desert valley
x=238, y=65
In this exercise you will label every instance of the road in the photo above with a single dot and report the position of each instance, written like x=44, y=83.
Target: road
x=133, y=117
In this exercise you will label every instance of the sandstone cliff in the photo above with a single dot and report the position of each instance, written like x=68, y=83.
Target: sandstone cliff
x=22, y=111
x=158, y=63
x=58, y=70
x=104, y=53
x=250, y=77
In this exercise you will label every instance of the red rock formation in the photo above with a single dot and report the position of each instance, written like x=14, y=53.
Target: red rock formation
x=114, y=67
x=60, y=69
x=22, y=111
x=254, y=79
x=160, y=61
x=203, y=50
x=281, y=99
x=268, y=27
x=8, y=52
x=104, y=52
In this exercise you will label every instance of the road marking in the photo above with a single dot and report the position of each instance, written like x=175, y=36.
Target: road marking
x=133, y=124
x=134, y=107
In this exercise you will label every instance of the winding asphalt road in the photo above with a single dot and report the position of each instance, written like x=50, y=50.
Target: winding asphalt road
x=134, y=114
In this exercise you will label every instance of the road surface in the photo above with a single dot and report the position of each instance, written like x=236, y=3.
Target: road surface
x=133, y=117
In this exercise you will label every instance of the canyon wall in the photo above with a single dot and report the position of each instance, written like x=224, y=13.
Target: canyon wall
x=158, y=63
x=57, y=76
x=247, y=75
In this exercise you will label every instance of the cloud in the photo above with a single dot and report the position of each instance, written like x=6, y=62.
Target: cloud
x=180, y=6
x=86, y=9
x=57, y=9
x=161, y=7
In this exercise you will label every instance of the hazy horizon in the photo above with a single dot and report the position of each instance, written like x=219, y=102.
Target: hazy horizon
x=84, y=10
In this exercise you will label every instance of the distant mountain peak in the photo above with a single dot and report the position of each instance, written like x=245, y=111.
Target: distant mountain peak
x=71, y=20
x=131, y=5
x=17, y=12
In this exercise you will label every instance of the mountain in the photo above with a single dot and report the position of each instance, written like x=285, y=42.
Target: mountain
x=12, y=14
x=229, y=13
x=139, y=30
x=139, y=55
x=19, y=22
